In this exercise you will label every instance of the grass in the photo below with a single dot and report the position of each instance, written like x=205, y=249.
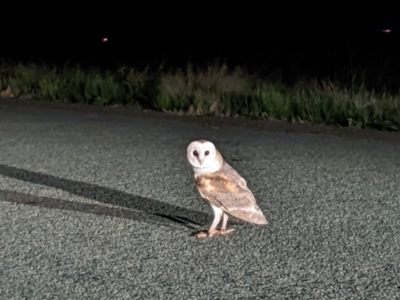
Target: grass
x=215, y=90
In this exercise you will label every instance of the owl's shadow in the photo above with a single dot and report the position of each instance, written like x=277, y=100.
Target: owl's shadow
x=127, y=206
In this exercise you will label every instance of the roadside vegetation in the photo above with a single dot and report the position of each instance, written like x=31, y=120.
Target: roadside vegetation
x=214, y=90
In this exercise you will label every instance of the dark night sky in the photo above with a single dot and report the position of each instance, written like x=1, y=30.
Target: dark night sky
x=200, y=24
x=150, y=30
x=147, y=24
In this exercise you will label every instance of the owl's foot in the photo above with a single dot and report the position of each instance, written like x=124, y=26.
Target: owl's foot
x=211, y=233
x=202, y=234
x=226, y=231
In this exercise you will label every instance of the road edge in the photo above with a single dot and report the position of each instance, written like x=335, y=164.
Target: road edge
x=239, y=122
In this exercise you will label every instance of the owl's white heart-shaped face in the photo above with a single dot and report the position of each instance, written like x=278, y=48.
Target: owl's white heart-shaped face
x=201, y=154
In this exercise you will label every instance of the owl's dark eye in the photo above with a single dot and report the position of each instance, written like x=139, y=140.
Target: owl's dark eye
x=207, y=152
x=195, y=153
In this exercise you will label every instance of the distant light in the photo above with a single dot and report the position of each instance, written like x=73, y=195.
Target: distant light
x=387, y=30
x=105, y=40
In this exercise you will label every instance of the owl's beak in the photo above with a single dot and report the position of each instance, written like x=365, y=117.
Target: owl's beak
x=201, y=161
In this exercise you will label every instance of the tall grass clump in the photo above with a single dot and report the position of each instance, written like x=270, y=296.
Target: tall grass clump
x=124, y=87
x=328, y=103
x=212, y=91
x=215, y=90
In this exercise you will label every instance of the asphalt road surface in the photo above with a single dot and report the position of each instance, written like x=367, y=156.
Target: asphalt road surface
x=103, y=206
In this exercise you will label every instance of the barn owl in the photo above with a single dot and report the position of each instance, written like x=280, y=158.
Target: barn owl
x=223, y=187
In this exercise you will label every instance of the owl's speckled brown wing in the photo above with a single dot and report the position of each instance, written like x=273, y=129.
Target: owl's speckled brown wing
x=228, y=190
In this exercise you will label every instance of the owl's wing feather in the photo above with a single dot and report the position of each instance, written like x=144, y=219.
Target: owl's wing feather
x=228, y=190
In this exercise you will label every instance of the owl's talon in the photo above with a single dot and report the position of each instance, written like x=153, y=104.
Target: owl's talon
x=204, y=234
x=213, y=232
x=226, y=231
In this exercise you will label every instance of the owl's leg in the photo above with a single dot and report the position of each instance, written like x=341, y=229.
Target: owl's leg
x=224, y=223
x=218, y=212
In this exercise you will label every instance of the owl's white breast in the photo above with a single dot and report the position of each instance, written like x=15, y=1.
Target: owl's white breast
x=211, y=169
